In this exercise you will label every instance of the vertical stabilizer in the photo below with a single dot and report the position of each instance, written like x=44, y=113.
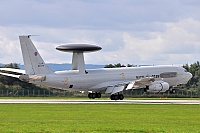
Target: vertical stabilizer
x=33, y=62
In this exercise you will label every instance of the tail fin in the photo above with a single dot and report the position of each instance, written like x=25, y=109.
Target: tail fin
x=33, y=62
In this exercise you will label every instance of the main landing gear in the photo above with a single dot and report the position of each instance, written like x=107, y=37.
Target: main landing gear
x=112, y=97
x=94, y=95
x=117, y=96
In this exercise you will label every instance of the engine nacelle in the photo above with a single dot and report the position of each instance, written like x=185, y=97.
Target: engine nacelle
x=156, y=87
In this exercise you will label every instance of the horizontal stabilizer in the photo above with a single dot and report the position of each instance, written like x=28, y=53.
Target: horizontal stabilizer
x=13, y=70
x=10, y=75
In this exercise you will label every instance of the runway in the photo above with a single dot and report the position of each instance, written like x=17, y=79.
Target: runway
x=50, y=101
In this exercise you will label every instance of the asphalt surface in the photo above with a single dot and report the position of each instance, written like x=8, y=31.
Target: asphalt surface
x=50, y=101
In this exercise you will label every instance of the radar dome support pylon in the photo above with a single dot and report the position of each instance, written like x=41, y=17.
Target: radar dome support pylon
x=78, y=62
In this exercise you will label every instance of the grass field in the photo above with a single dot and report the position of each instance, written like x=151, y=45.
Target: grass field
x=50, y=118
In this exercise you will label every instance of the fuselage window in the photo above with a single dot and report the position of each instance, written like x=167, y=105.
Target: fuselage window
x=168, y=74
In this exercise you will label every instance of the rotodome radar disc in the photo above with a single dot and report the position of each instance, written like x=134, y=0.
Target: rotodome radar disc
x=78, y=48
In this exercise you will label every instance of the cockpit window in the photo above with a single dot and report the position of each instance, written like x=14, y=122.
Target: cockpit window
x=168, y=74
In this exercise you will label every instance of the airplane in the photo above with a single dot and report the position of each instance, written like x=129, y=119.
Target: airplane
x=154, y=79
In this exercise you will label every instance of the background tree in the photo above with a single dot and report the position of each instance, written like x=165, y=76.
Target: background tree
x=194, y=69
x=11, y=65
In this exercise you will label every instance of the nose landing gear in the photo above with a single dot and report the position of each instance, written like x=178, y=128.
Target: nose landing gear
x=172, y=91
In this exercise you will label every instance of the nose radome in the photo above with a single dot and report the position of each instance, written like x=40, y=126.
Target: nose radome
x=187, y=77
x=190, y=75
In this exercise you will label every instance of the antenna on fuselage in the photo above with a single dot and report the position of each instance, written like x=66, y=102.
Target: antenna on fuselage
x=78, y=62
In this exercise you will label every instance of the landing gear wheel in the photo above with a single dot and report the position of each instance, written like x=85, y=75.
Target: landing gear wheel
x=112, y=97
x=94, y=95
x=98, y=95
x=117, y=97
x=89, y=95
x=121, y=96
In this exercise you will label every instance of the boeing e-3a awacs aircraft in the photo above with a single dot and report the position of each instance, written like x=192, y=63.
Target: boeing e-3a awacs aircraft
x=111, y=80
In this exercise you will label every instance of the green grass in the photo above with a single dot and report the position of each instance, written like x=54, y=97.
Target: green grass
x=50, y=118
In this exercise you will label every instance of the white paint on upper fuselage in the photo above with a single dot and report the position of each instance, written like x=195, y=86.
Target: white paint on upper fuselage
x=97, y=79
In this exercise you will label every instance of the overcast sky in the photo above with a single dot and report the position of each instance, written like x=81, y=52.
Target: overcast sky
x=129, y=31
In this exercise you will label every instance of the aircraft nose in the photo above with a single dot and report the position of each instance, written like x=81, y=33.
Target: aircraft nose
x=189, y=75
x=186, y=77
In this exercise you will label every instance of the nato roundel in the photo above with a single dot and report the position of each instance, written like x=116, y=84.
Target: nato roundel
x=78, y=48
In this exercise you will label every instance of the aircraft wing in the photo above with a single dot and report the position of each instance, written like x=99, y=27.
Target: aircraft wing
x=140, y=83
x=118, y=86
x=4, y=70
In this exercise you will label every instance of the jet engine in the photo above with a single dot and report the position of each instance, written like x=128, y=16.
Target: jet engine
x=157, y=87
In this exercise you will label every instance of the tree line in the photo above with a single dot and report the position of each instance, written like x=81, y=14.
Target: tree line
x=194, y=69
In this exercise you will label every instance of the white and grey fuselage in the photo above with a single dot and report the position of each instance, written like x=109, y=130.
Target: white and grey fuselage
x=100, y=79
